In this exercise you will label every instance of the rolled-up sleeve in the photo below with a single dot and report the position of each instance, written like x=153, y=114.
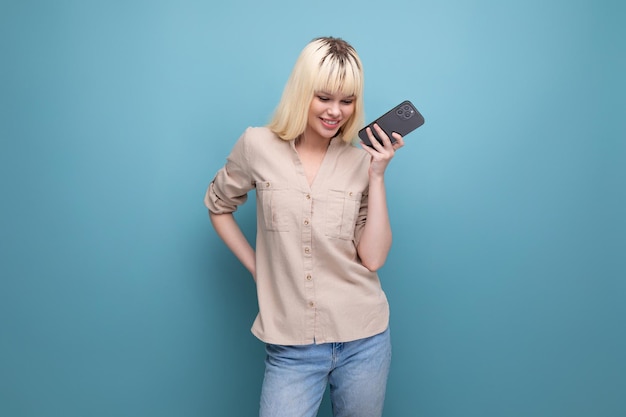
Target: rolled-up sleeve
x=229, y=189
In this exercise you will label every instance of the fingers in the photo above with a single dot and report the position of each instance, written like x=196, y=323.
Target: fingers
x=374, y=143
x=386, y=141
x=382, y=135
x=399, y=140
x=381, y=154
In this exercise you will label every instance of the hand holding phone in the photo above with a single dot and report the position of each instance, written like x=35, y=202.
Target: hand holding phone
x=403, y=119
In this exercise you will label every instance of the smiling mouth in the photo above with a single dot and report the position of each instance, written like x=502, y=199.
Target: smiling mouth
x=331, y=123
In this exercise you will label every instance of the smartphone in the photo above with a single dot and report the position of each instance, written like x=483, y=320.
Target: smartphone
x=403, y=118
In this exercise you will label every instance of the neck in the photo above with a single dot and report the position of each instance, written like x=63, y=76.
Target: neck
x=312, y=142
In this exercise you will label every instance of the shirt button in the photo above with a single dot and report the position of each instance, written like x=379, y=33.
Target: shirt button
x=267, y=185
x=308, y=196
x=350, y=193
x=311, y=304
x=307, y=250
x=306, y=222
x=309, y=277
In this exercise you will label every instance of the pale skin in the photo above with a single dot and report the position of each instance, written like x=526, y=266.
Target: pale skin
x=327, y=113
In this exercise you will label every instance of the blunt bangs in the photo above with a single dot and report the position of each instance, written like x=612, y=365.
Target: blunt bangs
x=339, y=75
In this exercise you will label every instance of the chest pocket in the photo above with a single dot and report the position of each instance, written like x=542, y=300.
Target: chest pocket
x=341, y=213
x=273, y=202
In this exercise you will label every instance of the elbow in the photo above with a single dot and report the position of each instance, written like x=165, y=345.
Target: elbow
x=373, y=257
x=373, y=265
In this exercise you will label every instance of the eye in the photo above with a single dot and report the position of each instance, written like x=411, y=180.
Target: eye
x=323, y=98
x=347, y=101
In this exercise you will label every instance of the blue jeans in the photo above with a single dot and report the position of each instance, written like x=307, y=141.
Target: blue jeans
x=296, y=378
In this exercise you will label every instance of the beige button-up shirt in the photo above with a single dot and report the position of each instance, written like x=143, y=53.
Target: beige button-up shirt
x=311, y=285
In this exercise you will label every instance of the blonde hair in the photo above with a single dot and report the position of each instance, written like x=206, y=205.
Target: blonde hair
x=325, y=64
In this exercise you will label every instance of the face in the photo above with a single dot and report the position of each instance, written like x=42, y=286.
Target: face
x=328, y=113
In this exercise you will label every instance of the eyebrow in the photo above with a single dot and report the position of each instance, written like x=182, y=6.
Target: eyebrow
x=326, y=93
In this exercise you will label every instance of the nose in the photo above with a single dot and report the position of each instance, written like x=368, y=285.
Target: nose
x=333, y=108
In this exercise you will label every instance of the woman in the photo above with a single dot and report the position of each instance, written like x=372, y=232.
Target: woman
x=322, y=232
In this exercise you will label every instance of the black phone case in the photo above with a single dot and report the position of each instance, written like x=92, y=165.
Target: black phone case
x=403, y=118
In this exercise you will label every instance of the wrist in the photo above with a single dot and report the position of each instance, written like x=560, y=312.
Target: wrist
x=377, y=177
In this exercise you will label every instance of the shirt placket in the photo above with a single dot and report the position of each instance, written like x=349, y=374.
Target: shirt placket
x=307, y=255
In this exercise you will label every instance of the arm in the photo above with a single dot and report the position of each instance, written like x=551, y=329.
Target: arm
x=376, y=239
x=228, y=190
x=229, y=231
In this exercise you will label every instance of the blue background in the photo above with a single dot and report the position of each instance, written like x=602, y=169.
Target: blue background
x=507, y=277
